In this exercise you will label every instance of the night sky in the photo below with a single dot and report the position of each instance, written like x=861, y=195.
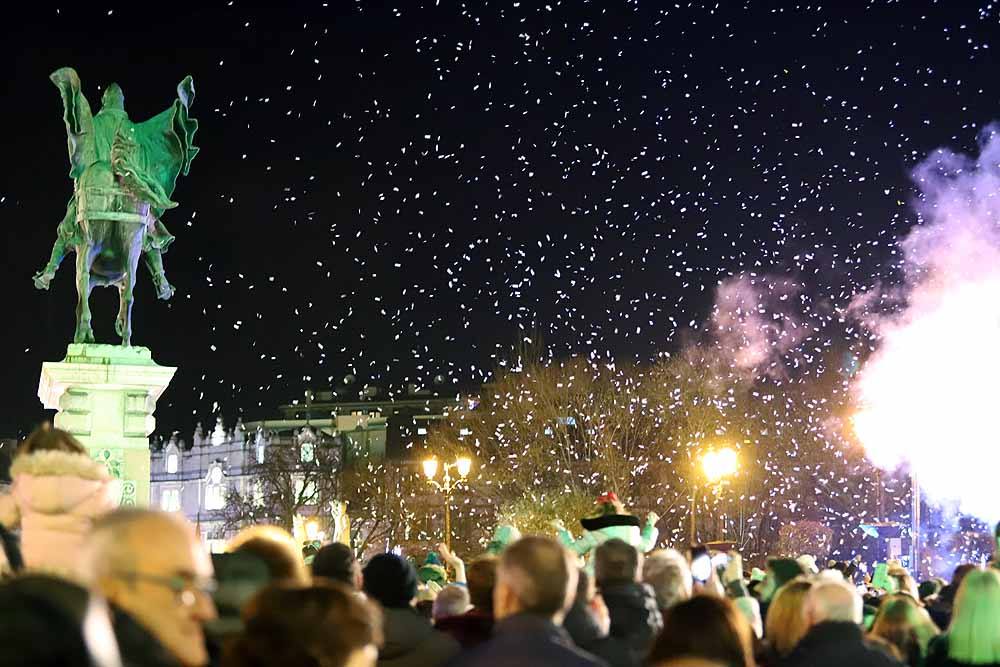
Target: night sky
x=400, y=193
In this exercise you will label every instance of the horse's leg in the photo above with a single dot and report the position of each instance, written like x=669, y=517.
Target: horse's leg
x=120, y=322
x=127, y=287
x=84, y=258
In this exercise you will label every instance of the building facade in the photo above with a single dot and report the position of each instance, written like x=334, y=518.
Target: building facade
x=196, y=477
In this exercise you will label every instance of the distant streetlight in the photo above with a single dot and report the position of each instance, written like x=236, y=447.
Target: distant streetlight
x=448, y=485
x=717, y=464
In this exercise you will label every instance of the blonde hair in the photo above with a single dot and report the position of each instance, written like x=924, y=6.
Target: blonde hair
x=277, y=548
x=974, y=636
x=786, y=618
x=904, y=624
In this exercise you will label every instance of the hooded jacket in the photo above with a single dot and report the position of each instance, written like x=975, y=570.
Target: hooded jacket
x=635, y=618
x=54, y=498
x=410, y=640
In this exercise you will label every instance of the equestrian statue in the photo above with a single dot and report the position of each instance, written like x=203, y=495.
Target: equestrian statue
x=123, y=174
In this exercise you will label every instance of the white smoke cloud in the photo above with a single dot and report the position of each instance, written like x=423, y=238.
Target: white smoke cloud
x=929, y=395
x=754, y=321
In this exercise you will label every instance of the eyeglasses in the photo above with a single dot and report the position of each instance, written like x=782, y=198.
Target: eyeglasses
x=185, y=589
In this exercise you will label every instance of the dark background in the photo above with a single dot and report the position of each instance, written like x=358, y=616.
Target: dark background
x=404, y=193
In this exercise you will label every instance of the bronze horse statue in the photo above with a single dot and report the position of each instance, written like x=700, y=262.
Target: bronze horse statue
x=124, y=174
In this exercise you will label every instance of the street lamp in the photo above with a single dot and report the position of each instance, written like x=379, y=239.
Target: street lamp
x=447, y=485
x=717, y=464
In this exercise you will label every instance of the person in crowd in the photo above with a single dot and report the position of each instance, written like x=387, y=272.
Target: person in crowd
x=325, y=624
x=239, y=577
x=336, y=562
x=588, y=624
x=940, y=610
x=276, y=547
x=706, y=628
x=474, y=626
x=453, y=600
x=904, y=582
x=536, y=584
x=903, y=624
x=778, y=573
x=928, y=590
x=632, y=605
x=56, y=494
x=973, y=637
x=786, y=620
x=156, y=575
x=667, y=571
x=48, y=621
x=833, y=611
x=409, y=637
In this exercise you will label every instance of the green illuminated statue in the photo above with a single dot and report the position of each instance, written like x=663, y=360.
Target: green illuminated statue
x=123, y=177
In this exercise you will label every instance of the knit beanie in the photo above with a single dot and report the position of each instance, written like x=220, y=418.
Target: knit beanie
x=390, y=580
x=785, y=569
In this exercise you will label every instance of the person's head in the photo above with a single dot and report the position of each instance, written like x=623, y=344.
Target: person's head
x=904, y=624
x=904, y=583
x=113, y=97
x=929, y=589
x=337, y=562
x=481, y=577
x=974, y=636
x=453, y=600
x=152, y=566
x=668, y=573
x=390, y=580
x=786, y=619
x=534, y=576
x=704, y=627
x=834, y=601
x=304, y=626
x=48, y=439
x=616, y=562
x=276, y=547
x=779, y=572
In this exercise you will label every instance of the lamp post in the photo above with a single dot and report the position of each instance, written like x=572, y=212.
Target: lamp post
x=447, y=485
x=717, y=464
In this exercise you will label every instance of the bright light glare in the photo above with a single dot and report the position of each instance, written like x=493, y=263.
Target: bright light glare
x=430, y=468
x=464, y=465
x=719, y=463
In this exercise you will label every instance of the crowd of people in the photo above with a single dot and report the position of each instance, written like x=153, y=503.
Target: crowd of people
x=86, y=583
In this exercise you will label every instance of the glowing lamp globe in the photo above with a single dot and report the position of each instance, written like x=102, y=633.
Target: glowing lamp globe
x=464, y=465
x=430, y=468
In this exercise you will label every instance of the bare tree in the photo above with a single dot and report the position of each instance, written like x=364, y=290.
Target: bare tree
x=297, y=476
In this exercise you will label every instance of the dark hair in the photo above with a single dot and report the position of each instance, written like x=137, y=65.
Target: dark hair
x=615, y=562
x=481, y=578
x=335, y=561
x=46, y=438
x=304, y=626
x=705, y=627
x=540, y=574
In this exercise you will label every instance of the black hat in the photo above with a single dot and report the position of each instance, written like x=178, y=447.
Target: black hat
x=390, y=580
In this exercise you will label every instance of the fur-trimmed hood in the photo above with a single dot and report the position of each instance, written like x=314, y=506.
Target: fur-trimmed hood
x=57, y=483
x=58, y=463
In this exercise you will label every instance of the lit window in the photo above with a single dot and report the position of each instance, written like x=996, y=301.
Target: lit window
x=421, y=430
x=171, y=463
x=170, y=500
x=307, y=452
x=215, y=490
x=465, y=431
x=260, y=452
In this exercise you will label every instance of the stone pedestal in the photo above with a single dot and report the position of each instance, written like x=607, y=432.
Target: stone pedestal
x=105, y=396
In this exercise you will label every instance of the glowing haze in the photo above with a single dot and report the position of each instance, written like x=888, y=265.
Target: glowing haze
x=929, y=395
